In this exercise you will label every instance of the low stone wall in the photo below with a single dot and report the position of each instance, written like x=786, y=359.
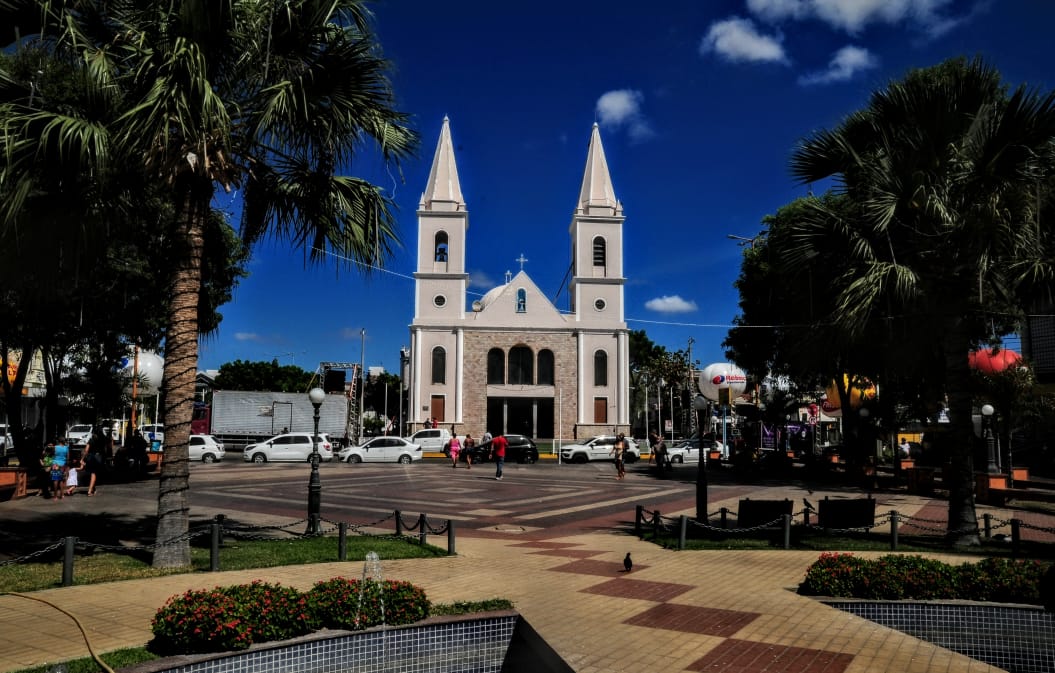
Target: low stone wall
x=1020, y=639
x=437, y=645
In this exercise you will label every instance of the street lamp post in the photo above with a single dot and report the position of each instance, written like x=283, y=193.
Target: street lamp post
x=317, y=396
x=990, y=441
x=699, y=405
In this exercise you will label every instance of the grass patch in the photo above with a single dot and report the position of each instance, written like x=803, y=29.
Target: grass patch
x=234, y=555
x=131, y=656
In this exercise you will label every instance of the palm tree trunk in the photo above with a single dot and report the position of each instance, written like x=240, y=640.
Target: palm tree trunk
x=963, y=521
x=181, y=365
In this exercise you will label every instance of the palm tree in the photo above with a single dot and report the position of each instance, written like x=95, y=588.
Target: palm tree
x=942, y=169
x=271, y=97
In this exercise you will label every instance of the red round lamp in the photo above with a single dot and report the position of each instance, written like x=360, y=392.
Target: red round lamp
x=990, y=361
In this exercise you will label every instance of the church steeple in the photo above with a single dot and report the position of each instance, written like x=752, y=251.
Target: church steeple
x=443, y=190
x=597, y=196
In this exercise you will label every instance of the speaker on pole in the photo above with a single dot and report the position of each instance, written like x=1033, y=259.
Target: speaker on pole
x=333, y=381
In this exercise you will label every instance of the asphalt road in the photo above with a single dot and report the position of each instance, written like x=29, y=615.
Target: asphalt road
x=542, y=496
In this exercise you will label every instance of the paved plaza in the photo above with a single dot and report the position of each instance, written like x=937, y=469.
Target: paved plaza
x=550, y=538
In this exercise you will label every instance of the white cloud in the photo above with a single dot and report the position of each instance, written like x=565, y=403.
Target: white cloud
x=845, y=63
x=853, y=16
x=481, y=279
x=737, y=40
x=246, y=336
x=670, y=304
x=621, y=108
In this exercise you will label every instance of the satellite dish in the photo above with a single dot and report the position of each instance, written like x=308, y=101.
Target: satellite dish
x=477, y=306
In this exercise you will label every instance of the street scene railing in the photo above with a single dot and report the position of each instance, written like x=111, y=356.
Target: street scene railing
x=75, y=550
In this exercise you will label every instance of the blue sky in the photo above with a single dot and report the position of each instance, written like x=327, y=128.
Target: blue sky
x=700, y=104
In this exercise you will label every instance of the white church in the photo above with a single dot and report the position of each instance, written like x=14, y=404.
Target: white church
x=512, y=362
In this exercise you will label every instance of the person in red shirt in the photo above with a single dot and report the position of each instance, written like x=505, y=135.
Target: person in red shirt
x=498, y=446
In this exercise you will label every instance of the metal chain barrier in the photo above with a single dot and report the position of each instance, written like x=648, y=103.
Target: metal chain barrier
x=33, y=555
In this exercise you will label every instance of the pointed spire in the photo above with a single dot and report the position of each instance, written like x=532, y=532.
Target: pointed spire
x=597, y=191
x=443, y=191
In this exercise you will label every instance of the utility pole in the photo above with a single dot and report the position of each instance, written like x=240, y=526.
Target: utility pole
x=362, y=390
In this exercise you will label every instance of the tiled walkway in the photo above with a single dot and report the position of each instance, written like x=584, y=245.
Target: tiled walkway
x=725, y=610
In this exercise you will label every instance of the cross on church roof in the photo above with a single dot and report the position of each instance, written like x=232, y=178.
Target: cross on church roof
x=521, y=259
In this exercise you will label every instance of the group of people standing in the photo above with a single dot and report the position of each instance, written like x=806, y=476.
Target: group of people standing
x=498, y=450
x=64, y=471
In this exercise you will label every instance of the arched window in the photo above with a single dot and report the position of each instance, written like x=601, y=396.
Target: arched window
x=600, y=368
x=521, y=300
x=441, y=246
x=600, y=252
x=439, y=365
x=545, y=367
x=496, y=366
x=521, y=366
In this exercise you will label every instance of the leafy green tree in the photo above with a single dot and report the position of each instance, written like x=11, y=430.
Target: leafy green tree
x=246, y=375
x=270, y=97
x=942, y=170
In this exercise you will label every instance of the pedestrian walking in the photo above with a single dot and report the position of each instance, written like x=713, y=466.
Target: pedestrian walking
x=455, y=448
x=619, y=451
x=498, y=447
x=659, y=453
x=467, y=449
x=93, y=458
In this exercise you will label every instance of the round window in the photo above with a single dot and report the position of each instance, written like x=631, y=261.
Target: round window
x=439, y=300
x=599, y=304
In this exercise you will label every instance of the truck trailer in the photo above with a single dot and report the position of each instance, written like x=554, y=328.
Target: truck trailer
x=242, y=417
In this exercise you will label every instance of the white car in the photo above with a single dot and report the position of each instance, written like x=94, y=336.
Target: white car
x=294, y=447
x=688, y=451
x=79, y=434
x=205, y=448
x=598, y=448
x=382, y=450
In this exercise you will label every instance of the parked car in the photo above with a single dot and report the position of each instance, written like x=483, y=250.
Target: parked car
x=382, y=449
x=291, y=447
x=7, y=443
x=598, y=448
x=688, y=450
x=79, y=434
x=206, y=449
x=431, y=439
x=521, y=449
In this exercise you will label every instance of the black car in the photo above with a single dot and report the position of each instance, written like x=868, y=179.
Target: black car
x=520, y=450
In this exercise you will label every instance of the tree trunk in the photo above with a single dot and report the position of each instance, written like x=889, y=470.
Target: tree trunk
x=180, y=371
x=963, y=521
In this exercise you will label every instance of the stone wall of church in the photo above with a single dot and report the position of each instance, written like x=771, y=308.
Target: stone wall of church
x=474, y=398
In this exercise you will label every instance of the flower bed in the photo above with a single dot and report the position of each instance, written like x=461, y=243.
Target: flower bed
x=235, y=617
x=898, y=577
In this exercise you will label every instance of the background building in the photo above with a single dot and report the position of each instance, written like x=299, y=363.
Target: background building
x=512, y=362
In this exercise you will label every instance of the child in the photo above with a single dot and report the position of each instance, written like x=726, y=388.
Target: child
x=71, y=478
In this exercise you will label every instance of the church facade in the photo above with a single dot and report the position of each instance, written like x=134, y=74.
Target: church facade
x=511, y=362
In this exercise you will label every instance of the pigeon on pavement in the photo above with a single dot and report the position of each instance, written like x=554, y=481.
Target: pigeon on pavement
x=628, y=563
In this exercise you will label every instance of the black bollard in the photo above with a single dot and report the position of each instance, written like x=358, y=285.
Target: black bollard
x=399, y=524
x=987, y=522
x=639, y=514
x=342, y=541
x=893, y=530
x=450, y=538
x=422, y=532
x=219, y=519
x=787, y=530
x=683, y=522
x=1016, y=537
x=724, y=518
x=214, y=547
x=67, y=560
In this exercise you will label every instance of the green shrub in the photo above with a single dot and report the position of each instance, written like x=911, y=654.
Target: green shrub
x=895, y=577
x=200, y=621
x=235, y=617
x=341, y=603
x=833, y=574
x=1047, y=589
